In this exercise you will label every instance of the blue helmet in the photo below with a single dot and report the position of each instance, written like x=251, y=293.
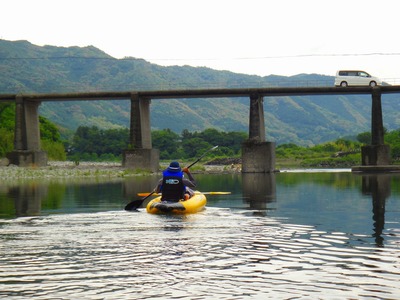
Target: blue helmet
x=174, y=167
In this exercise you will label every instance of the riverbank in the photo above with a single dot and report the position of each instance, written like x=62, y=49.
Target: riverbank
x=68, y=169
x=61, y=169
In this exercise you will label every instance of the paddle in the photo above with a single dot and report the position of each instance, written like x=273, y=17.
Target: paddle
x=197, y=160
x=135, y=204
x=204, y=193
x=213, y=193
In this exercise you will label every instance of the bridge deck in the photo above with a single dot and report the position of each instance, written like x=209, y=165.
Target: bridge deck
x=203, y=93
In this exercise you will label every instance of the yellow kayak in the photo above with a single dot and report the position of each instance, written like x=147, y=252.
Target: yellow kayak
x=190, y=206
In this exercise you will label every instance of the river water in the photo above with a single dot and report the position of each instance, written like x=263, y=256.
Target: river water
x=290, y=235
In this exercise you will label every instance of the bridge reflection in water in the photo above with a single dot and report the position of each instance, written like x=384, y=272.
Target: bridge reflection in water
x=259, y=190
x=283, y=235
x=258, y=194
x=378, y=186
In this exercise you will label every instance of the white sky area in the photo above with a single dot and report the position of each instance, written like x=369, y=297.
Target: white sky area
x=260, y=37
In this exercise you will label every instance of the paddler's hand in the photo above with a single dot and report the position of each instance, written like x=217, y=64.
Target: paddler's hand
x=185, y=170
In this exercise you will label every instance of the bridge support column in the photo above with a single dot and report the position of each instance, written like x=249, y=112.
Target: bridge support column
x=258, y=156
x=376, y=157
x=140, y=155
x=27, y=151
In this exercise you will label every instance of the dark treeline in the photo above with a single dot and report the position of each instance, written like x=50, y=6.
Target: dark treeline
x=93, y=144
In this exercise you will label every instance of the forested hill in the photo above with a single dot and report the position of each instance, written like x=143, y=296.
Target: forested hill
x=304, y=120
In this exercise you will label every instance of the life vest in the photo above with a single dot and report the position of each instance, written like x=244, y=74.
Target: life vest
x=172, y=187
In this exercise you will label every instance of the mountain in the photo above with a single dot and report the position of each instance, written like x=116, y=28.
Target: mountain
x=304, y=120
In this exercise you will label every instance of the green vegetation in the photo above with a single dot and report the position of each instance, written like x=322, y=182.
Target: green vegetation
x=94, y=144
x=7, y=113
x=6, y=141
x=50, y=135
x=339, y=153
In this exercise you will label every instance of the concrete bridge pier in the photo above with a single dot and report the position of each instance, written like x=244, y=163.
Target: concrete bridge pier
x=376, y=156
x=377, y=153
x=258, y=156
x=27, y=151
x=140, y=155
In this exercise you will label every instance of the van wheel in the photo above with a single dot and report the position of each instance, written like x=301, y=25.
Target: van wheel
x=372, y=84
x=343, y=84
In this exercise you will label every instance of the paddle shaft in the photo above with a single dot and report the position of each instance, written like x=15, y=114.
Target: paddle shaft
x=204, y=193
x=197, y=160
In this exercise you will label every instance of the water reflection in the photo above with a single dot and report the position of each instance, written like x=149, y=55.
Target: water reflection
x=253, y=192
x=277, y=236
x=259, y=190
x=132, y=186
x=34, y=198
x=379, y=187
x=28, y=199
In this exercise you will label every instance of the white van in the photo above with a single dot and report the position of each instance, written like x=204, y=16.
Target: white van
x=355, y=78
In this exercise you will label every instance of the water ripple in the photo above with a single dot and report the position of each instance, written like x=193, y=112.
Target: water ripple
x=216, y=254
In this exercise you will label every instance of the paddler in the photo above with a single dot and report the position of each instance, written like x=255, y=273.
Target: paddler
x=173, y=186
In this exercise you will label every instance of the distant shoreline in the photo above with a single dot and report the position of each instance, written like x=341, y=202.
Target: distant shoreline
x=68, y=169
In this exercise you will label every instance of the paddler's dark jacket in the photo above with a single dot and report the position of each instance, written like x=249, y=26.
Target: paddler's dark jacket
x=173, y=185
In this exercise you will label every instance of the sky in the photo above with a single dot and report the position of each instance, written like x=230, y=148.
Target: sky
x=255, y=37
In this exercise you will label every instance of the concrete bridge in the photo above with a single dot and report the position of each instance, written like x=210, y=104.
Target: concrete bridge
x=258, y=155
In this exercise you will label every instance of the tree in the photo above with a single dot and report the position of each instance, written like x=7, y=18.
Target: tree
x=93, y=143
x=86, y=139
x=6, y=141
x=194, y=147
x=49, y=131
x=7, y=116
x=167, y=142
x=211, y=136
x=393, y=139
x=364, y=138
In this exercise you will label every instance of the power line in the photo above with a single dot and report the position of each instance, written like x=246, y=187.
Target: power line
x=207, y=59
x=59, y=57
x=285, y=56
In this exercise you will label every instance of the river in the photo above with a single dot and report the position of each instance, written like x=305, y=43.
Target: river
x=289, y=235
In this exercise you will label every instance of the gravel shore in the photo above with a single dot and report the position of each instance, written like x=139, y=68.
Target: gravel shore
x=61, y=169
